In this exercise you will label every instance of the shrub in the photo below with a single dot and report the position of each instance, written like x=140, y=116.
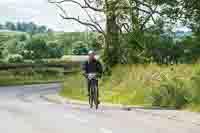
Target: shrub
x=37, y=47
x=40, y=61
x=54, y=50
x=15, y=58
x=80, y=48
x=195, y=88
x=1, y=61
x=46, y=72
x=171, y=93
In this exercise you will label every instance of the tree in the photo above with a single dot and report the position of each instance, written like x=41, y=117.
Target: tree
x=95, y=41
x=42, y=29
x=191, y=11
x=22, y=37
x=19, y=26
x=15, y=58
x=80, y=48
x=116, y=16
x=66, y=40
x=11, y=46
x=31, y=27
x=67, y=44
x=10, y=26
x=36, y=48
x=54, y=51
x=1, y=26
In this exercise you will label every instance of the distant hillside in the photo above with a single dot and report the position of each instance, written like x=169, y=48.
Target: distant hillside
x=25, y=27
x=180, y=34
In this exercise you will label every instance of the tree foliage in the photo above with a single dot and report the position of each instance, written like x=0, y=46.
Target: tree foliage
x=37, y=48
x=118, y=17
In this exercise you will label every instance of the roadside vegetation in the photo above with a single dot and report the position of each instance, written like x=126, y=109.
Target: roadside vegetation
x=175, y=86
x=30, y=76
x=35, y=46
x=148, y=68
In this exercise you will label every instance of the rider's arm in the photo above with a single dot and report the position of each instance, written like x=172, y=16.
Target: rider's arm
x=100, y=68
x=84, y=68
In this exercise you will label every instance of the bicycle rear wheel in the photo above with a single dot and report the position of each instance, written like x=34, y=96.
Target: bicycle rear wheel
x=91, y=98
x=96, y=97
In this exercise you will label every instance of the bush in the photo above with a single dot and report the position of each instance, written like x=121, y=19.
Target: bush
x=36, y=48
x=54, y=50
x=15, y=58
x=195, y=88
x=46, y=72
x=1, y=61
x=80, y=48
x=40, y=61
x=171, y=93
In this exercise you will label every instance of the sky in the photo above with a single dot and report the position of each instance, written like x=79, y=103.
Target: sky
x=38, y=11
x=42, y=13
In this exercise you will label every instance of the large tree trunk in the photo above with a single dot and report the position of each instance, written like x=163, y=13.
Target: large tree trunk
x=112, y=48
x=112, y=41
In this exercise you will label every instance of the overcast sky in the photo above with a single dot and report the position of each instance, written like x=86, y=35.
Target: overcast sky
x=38, y=11
x=41, y=13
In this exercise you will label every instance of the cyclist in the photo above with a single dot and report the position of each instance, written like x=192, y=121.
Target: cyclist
x=92, y=65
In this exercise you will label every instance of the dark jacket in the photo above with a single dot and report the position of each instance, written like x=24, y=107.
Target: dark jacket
x=92, y=67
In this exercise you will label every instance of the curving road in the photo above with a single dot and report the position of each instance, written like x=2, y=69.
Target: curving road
x=23, y=110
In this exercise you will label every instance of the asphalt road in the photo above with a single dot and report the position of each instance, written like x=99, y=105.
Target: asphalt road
x=23, y=110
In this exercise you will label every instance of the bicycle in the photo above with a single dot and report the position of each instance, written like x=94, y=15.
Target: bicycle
x=93, y=90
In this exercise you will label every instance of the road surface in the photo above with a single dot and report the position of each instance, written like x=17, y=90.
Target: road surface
x=24, y=110
x=78, y=58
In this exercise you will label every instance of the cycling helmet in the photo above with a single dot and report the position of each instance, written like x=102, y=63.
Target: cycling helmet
x=91, y=52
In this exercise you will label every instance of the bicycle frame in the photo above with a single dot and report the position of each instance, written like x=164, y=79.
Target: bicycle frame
x=93, y=88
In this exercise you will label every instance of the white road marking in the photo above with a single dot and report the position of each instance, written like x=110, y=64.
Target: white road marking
x=70, y=116
x=104, y=130
x=46, y=103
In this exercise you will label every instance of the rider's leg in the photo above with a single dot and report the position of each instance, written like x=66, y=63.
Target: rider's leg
x=98, y=91
x=88, y=87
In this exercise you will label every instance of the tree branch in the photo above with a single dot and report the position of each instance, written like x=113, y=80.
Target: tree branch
x=66, y=17
x=87, y=3
x=94, y=21
x=147, y=19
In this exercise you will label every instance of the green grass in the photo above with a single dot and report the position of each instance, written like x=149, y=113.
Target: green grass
x=193, y=108
x=137, y=84
x=74, y=87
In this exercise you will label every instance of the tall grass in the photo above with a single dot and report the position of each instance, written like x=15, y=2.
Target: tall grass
x=175, y=86
x=171, y=93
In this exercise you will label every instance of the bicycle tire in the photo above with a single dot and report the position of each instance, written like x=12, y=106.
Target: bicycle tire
x=96, y=97
x=91, y=99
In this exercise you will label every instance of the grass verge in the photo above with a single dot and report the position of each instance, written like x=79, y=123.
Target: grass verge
x=30, y=76
x=175, y=86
